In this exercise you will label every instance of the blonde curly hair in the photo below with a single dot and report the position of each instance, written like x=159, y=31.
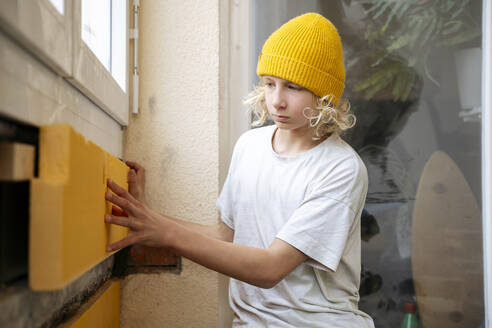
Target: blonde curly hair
x=327, y=117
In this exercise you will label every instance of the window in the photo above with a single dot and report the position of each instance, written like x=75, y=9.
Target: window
x=100, y=54
x=84, y=41
x=104, y=32
x=96, y=29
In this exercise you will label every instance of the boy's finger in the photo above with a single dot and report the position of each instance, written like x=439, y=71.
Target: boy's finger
x=123, y=221
x=134, y=165
x=127, y=241
x=123, y=203
x=115, y=210
x=120, y=191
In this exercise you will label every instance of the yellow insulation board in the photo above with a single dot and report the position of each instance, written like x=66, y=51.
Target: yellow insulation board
x=101, y=311
x=67, y=233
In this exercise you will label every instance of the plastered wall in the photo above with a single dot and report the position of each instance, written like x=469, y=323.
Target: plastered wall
x=175, y=137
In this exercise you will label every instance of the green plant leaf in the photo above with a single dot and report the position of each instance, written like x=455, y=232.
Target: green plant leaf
x=402, y=41
x=428, y=74
x=462, y=37
x=412, y=60
x=398, y=85
x=372, y=79
x=408, y=86
x=429, y=31
x=380, y=59
x=394, y=12
x=374, y=7
x=382, y=9
x=378, y=80
x=370, y=92
x=464, y=4
x=451, y=27
x=411, y=29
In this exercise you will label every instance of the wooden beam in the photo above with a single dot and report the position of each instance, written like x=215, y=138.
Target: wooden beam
x=16, y=161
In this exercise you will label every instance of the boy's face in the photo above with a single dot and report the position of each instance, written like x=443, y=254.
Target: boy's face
x=286, y=102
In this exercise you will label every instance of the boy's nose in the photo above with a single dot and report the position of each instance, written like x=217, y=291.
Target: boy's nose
x=278, y=99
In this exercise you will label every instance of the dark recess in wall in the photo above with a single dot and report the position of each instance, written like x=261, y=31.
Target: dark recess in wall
x=14, y=207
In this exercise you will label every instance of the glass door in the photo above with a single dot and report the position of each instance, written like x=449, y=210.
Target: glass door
x=414, y=81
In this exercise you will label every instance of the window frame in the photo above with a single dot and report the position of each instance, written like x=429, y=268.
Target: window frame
x=91, y=76
x=487, y=158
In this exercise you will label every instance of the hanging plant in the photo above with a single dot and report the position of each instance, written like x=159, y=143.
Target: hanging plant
x=402, y=34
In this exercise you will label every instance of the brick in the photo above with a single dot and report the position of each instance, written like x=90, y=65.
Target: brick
x=142, y=259
x=101, y=311
x=16, y=161
x=67, y=233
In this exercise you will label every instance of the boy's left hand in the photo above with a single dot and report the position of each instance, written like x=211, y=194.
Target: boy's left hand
x=147, y=227
x=136, y=181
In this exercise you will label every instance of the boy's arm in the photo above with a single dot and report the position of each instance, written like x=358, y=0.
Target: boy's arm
x=218, y=231
x=261, y=267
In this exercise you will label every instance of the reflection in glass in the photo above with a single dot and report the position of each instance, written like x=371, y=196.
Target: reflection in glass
x=96, y=29
x=104, y=31
x=414, y=81
x=414, y=85
x=118, y=42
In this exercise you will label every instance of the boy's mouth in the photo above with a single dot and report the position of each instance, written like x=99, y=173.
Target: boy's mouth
x=280, y=118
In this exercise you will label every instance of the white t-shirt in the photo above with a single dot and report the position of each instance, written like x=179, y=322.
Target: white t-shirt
x=313, y=201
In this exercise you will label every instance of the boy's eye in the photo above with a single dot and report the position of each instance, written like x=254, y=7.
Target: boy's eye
x=269, y=84
x=294, y=87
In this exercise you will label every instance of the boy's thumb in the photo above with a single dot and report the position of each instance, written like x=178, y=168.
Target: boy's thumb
x=131, y=173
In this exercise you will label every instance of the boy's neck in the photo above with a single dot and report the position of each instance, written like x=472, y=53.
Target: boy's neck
x=292, y=142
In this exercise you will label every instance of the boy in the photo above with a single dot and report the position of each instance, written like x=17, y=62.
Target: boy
x=291, y=204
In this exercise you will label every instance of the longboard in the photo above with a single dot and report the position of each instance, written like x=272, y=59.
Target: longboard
x=447, y=247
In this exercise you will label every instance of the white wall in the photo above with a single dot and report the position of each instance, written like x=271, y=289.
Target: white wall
x=176, y=138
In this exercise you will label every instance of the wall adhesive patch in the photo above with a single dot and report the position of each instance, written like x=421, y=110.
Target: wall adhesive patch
x=67, y=232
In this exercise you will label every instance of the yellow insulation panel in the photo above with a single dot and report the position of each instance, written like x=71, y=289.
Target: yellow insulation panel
x=101, y=311
x=68, y=235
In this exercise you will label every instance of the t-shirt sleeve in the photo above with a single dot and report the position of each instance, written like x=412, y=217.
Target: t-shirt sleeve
x=224, y=202
x=319, y=228
x=321, y=225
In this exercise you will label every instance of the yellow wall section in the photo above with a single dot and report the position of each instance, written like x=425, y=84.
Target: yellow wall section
x=68, y=234
x=102, y=310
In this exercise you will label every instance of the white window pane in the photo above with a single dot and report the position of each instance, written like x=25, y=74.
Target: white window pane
x=96, y=29
x=118, y=42
x=58, y=4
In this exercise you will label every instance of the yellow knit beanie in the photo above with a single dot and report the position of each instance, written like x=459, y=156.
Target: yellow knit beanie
x=306, y=50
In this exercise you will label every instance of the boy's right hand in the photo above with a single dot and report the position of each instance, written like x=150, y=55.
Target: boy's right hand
x=136, y=181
